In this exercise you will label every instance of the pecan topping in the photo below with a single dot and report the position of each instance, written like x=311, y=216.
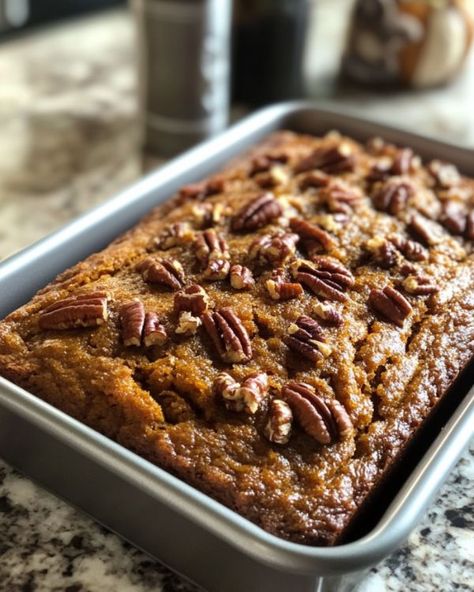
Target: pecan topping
x=257, y=213
x=228, y=334
x=202, y=189
x=314, y=179
x=193, y=299
x=306, y=338
x=242, y=397
x=84, y=310
x=166, y=272
x=328, y=314
x=333, y=160
x=188, y=324
x=469, y=234
x=241, y=278
x=313, y=237
x=412, y=250
x=273, y=249
x=404, y=162
x=213, y=252
x=138, y=326
x=393, y=196
x=132, y=320
x=272, y=178
x=445, y=174
x=177, y=234
x=280, y=288
x=425, y=230
x=454, y=217
x=339, y=197
x=379, y=171
x=154, y=332
x=382, y=252
x=278, y=426
x=325, y=421
x=207, y=214
x=419, y=285
x=264, y=162
x=324, y=277
x=389, y=303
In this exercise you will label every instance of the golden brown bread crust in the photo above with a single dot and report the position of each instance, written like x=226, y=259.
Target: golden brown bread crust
x=385, y=356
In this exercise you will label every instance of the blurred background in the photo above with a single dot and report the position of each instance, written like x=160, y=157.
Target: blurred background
x=95, y=92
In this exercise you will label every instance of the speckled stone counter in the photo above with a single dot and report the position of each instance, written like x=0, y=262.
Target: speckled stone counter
x=68, y=139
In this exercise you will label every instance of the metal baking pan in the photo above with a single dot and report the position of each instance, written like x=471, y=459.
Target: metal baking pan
x=188, y=531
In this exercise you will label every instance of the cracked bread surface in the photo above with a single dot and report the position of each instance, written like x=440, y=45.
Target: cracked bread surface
x=161, y=401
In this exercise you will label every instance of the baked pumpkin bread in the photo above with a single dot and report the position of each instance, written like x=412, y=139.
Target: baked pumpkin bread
x=273, y=335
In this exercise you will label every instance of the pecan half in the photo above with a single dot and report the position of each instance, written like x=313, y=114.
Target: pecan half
x=257, y=213
x=412, y=250
x=264, y=162
x=188, y=324
x=241, y=278
x=425, y=230
x=379, y=171
x=132, y=321
x=469, y=234
x=390, y=304
x=154, y=332
x=324, y=277
x=202, y=189
x=324, y=420
x=273, y=249
x=213, y=253
x=138, y=327
x=339, y=197
x=166, y=272
x=332, y=159
x=83, y=310
x=306, y=338
x=228, y=334
x=313, y=237
x=247, y=396
x=177, y=234
x=454, y=217
x=382, y=252
x=278, y=426
x=393, y=196
x=279, y=288
x=419, y=285
x=404, y=162
x=445, y=174
x=314, y=179
x=193, y=299
x=328, y=314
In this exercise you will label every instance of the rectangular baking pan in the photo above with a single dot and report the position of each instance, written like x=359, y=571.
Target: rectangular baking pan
x=194, y=535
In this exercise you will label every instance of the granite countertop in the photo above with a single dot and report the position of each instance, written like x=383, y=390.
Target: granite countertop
x=68, y=140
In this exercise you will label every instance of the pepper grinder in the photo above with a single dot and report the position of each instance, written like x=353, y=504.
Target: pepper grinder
x=184, y=71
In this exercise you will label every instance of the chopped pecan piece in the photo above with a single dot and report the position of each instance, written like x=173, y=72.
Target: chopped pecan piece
x=419, y=285
x=445, y=174
x=334, y=159
x=280, y=288
x=393, y=196
x=154, y=332
x=242, y=397
x=324, y=277
x=213, y=252
x=453, y=217
x=425, y=230
x=325, y=421
x=177, y=234
x=83, y=310
x=273, y=249
x=138, y=327
x=228, y=334
x=382, y=252
x=390, y=304
x=312, y=236
x=264, y=162
x=273, y=178
x=202, y=189
x=193, y=299
x=241, y=278
x=166, y=272
x=339, y=197
x=188, y=324
x=328, y=314
x=306, y=338
x=132, y=321
x=207, y=214
x=257, y=213
x=278, y=426
x=412, y=250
